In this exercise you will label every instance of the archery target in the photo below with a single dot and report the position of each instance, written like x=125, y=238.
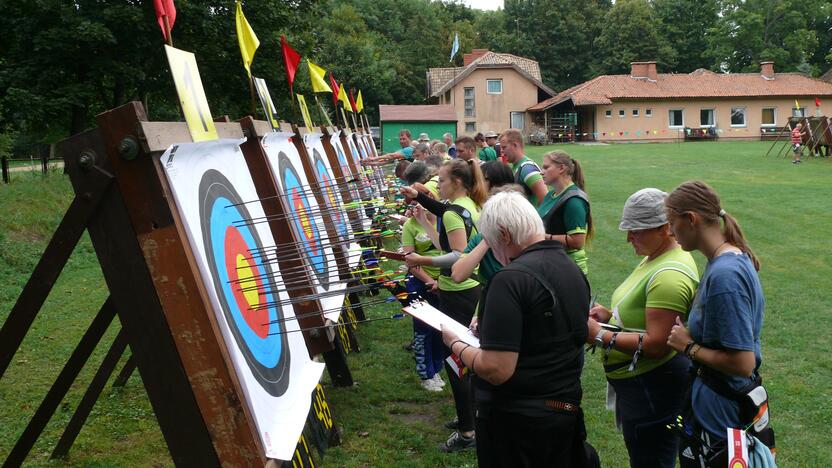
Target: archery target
x=308, y=229
x=332, y=195
x=216, y=201
x=352, y=179
x=241, y=277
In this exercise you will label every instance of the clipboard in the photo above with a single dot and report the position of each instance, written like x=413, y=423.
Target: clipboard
x=434, y=318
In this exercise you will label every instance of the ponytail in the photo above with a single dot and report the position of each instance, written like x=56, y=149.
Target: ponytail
x=470, y=176
x=576, y=173
x=700, y=198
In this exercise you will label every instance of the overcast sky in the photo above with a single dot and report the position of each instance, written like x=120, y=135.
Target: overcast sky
x=484, y=4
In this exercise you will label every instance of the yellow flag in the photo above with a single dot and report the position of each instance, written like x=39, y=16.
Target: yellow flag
x=307, y=119
x=247, y=39
x=796, y=105
x=359, y=102
x=342, y=96
x=319, y=84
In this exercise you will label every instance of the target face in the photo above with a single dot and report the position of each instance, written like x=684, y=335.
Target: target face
x=301, y=216
x=243, y=282
x=342, y=159
x=333, y=199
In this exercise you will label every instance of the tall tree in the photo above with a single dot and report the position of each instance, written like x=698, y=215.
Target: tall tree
x=750, y=31
x=631, y=34
x=685, y=24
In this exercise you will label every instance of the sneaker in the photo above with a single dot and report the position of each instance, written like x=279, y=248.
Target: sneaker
x=452, y=424
x=430, y=385
x=457, y=442
x=408, y=347
x=437, y=379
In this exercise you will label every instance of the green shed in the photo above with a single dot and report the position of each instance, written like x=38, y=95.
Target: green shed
x=435, y=120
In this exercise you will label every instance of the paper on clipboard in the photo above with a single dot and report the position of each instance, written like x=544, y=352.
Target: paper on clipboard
x=435, y=319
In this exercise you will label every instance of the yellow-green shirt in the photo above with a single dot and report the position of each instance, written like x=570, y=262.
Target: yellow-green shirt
x=414, y=235
x=452, y=222
x=669, y=281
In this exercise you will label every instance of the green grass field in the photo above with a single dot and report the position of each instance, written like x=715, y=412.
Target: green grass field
x=387, y=419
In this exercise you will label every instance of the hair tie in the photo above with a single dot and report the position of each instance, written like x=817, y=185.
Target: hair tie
x=721, y=213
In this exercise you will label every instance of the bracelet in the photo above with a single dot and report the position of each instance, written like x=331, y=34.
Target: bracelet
x=693, y=351
x=610, y=346
x=688, y=347
x=459, y=354
x=474, y=362
x=451, y=347
x=638, y=352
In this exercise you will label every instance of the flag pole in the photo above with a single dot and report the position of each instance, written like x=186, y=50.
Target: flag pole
x=166, y=22
x=251, y=93
x=321, y=109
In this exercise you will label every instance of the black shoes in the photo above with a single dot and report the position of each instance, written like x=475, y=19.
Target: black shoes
x=457, y=442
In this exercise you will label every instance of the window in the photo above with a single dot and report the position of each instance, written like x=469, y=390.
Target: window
x=469, y=103
x=706, y=117
x=648, y=112
x=518, y=120
x=621, y=113
x=470, y=127
x=738, y=116
x=608, y=113
x=494, y=86
x=798, y=112
x=635, y=112
x=676, y=118
x=769, y=118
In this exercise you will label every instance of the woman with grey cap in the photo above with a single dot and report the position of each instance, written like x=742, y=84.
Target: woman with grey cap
x=647, y=378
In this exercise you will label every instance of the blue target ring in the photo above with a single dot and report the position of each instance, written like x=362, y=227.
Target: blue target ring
x=243, y=282
x=332, y=197
x=303, y=219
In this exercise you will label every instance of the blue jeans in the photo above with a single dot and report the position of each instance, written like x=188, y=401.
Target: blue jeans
x=428, y=349
x=646, y=404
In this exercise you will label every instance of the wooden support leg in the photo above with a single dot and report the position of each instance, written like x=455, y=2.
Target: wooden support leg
x=126, y=372
x=355, y=303
x=91, y=396
x=61, y=386
x=46, y=272
x=336, y=363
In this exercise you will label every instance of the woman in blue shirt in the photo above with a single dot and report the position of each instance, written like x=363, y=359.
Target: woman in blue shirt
x=723, y=335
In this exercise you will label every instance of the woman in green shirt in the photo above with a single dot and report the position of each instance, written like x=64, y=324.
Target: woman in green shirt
x=565, y=209
x=648, y=377
x=462, y=184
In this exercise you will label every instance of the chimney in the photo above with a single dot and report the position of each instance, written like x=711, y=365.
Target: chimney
x=475, y=54
x=767, y=70
x=644, y=70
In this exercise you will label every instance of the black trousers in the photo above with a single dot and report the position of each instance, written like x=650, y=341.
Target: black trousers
x=511, y=440
x=646, y=404
x=460, y=305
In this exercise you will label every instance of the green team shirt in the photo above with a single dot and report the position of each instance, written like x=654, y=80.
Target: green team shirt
x=487, y=154
x=575, y=219
x=666, y=282
x=489, y=266
x=452, y=222
x=433, y=186
x=528, y=175
x=414, y=235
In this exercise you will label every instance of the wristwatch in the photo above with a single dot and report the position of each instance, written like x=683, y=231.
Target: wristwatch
x=599, y=337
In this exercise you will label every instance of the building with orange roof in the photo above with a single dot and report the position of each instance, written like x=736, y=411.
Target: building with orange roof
x=650, y=106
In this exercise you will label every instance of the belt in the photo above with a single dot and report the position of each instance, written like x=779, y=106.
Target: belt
x=559, y=405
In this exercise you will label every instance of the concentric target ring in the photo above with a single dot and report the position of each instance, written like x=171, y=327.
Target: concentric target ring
x=243, y=282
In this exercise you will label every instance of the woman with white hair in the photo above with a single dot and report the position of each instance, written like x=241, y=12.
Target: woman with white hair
x=527, y=386
x=648, y=377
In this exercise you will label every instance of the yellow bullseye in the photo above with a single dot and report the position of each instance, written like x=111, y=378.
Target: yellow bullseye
x=247, y=282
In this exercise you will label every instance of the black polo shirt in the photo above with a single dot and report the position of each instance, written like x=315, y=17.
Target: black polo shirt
x=518, y=316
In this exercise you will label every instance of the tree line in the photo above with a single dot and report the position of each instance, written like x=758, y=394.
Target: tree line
x=62, y=62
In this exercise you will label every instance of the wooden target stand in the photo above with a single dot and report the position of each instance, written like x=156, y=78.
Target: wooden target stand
x=125, y=203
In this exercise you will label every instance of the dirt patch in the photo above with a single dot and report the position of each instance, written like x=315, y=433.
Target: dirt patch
x=412, y=412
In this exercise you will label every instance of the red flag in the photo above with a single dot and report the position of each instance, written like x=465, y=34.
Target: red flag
x=165, y=8
x=352, y=101
x=334, y=85
x=817, y=102
x=291, y=59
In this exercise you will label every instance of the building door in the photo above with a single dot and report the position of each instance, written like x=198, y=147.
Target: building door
x=518, y=120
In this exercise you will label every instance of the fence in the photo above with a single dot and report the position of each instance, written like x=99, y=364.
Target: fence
x=10, y=165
